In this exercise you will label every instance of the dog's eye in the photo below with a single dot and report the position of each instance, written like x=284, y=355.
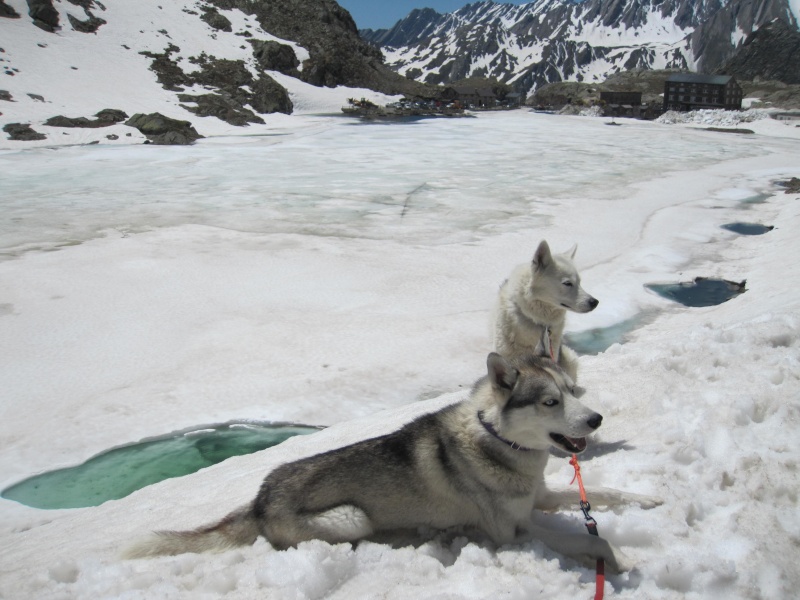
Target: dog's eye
x=550, y=402
x=568, y=283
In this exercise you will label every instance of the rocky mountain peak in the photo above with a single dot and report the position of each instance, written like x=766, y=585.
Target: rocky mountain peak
x=546, y=41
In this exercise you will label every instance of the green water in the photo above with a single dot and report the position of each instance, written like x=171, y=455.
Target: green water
x=116, y=473
x=747, y=228
x=700, y=292
x=595, y=341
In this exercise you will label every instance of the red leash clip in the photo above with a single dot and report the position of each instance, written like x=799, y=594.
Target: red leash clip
x=591, y=526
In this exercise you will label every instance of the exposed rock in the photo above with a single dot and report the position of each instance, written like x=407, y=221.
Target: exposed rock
x=730, y=130
x=215, y=19
x=338, y=56
x=44, y=15
x=22, y=132
x=169, y=74
x=792, y=185
x=235, y=84
x=269, y=96
x=8, y=11
x=772, y=52
x=274, y=56
x=105, y=118
x=90, y=25
x=163, y=130
x=6, y=95
x=111, y=115
x=222, y=106
x=36, y=97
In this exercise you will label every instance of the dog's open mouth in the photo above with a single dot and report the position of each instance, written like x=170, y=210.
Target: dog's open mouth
x=574, y=445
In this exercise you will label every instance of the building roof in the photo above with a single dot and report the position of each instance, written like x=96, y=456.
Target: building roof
x=700, y=78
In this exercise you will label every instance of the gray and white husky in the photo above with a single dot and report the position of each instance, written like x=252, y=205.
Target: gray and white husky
x=536, y=297
x=475, y=465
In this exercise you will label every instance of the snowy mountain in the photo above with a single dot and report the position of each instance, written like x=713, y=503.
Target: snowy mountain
x=214, y=62
x=562, y=40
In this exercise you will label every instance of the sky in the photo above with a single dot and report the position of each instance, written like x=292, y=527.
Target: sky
x=383, y=14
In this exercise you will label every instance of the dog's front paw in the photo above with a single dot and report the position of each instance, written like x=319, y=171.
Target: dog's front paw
x=617, y=561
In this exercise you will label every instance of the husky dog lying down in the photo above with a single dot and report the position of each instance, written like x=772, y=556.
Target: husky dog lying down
x=477, y=464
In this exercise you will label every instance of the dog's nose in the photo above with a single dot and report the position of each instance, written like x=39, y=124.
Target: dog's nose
x=593, y=302
x=595, y=420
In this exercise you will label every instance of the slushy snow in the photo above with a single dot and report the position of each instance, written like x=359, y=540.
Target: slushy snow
x=343, y=274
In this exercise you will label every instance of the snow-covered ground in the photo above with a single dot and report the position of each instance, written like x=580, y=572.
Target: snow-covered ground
x=341, y=273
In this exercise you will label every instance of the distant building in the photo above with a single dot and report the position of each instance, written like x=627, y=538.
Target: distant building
x=475, y=97
x=621, y=104
x=787, y=116
x=693, y=91
x=632, y=98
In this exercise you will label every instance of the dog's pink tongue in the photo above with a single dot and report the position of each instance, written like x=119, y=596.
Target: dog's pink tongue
x=579, y=443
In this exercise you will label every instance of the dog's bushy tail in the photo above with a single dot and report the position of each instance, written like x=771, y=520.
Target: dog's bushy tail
x=239, y=528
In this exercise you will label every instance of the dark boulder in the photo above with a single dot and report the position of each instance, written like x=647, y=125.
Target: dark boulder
x=164, y=130
x=44, y=15
x=270, y=97
x=274, y=56
x=8, y=11
x=111, y=115
x=216, y=20
x=6, y=95
x=22, y=132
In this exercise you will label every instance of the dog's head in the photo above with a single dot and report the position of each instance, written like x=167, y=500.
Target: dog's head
x=536, y=404
x=556, y=280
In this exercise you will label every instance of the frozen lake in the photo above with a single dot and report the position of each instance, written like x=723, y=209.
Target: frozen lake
x=428, y=181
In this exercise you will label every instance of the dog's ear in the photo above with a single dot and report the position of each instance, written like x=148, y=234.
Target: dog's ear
x=571, y=252
x=577, y=391
x=501, y=373
x=542, y=257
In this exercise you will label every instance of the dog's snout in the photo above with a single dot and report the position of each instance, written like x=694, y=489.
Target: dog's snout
x=595, y=420
x=593, y=302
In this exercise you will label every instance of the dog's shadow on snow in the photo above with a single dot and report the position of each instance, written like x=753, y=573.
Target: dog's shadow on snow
x=596, y=449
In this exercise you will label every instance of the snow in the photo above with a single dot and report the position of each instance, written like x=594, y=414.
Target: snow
x=343, y=274
x=61, y=67
x=715, y=118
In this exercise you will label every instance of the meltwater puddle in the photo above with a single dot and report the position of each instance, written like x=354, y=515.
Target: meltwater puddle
x=703, y=291
x=121, y=471
x=748, y=228
x=600, y=339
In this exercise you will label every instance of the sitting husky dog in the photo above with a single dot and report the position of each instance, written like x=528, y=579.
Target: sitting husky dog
x=475, y=464
x=536, y=297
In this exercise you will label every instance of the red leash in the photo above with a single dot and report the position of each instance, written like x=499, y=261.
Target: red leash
x=591, y=526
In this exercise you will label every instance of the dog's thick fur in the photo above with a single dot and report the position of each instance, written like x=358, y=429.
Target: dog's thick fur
x=536, y=297
x=478, y=464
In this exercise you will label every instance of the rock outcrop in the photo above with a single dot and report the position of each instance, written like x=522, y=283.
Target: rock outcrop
x=23, y=132
x=772, y=52
x=163, y=130
x=104, y=118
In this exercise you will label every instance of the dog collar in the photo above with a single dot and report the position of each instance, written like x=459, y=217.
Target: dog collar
x=490, y=428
